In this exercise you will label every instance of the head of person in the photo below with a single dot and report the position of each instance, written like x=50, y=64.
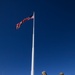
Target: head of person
x=61, y=73
x=44, y=73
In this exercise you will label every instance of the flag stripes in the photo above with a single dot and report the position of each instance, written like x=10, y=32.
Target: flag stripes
x=24, y=20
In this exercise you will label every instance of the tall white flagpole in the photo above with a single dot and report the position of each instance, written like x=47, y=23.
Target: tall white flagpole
x=32, y=59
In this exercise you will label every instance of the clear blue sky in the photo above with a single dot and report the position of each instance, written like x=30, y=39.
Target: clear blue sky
x=54, y=37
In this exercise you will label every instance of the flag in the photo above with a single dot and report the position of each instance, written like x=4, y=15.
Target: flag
x=24, y=20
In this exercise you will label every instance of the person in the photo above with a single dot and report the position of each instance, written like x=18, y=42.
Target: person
x=44, y=73
x=61, y=73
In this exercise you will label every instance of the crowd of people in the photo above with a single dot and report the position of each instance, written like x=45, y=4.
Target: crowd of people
x=44, y=73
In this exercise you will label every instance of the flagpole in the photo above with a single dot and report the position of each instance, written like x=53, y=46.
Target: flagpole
x=32, y=59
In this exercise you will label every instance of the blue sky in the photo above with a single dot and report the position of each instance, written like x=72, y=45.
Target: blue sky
x=54, y=37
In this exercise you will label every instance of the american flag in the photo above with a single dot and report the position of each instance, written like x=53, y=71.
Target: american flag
x=24, y=20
